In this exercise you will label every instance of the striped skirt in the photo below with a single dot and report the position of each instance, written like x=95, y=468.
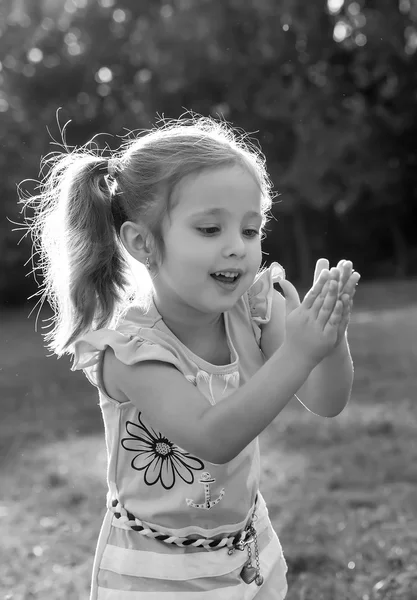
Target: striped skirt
x=130, y=566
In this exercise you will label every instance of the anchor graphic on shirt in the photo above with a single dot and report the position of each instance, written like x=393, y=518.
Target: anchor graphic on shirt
x=206, y=479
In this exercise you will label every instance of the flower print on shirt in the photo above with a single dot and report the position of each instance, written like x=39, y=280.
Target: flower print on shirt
x=160, y=459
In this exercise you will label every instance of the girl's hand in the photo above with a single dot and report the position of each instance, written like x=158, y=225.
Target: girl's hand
x=312, y=326
x=347, y=289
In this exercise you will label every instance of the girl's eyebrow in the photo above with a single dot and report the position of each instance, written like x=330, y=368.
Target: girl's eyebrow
x=215, y=211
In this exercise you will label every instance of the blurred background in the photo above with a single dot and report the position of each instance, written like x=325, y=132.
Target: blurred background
x=329, y=91
x=327, y=88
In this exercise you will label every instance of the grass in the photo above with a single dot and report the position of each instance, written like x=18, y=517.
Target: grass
x=342, y=493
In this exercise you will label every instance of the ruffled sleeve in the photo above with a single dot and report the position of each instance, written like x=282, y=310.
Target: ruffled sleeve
x=129, y=349
x=261, y=292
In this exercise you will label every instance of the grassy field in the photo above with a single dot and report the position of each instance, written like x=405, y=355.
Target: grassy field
x=342, y=493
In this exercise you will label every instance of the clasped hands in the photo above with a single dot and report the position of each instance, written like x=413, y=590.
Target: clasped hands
x=347, y=280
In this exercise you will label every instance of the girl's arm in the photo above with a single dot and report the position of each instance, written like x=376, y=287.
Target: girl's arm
x=327, y=389
x=218, y=433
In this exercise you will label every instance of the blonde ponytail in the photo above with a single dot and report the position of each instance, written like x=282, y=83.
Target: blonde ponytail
x=77, y=245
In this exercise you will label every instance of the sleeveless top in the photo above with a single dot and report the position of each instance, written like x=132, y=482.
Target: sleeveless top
x=162, y=484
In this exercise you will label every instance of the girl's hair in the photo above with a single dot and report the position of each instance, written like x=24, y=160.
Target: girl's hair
x=85, y=198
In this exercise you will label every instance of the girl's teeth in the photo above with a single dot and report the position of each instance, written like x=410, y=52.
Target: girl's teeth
x=226, y=274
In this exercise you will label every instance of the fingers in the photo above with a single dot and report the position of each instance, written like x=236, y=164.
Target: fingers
x=345, y=268
x=321, y=264
x=333, y=275
x=292, y=299
x=317, y=288
x=334, y=320
x=348, y=279
x=329, y=305
x=347, y=309
x=350, y=286
x=325, y=308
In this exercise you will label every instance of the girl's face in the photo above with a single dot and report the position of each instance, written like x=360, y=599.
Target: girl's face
x=214, y=227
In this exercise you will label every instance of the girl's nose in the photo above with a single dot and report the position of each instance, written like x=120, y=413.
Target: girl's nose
x=235, y=247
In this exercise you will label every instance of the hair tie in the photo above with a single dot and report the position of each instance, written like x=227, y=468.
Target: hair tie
x=113, y=165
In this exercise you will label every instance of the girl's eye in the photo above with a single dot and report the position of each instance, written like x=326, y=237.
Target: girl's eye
x=251, y=232
x=208, y=230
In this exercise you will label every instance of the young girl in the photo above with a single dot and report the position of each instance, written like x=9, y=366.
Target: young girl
x=192, y=370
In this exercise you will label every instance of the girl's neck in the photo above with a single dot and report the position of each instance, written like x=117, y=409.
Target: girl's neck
x=188, y=327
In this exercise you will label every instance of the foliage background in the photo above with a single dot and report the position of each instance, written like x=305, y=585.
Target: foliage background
x=327, y=88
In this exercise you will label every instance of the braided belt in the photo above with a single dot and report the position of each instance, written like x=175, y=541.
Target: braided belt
x=238, y=541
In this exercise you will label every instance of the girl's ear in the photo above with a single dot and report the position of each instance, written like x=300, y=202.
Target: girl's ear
x=135, y=238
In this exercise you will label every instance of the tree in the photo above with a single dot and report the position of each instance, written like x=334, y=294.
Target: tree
x=327, y=88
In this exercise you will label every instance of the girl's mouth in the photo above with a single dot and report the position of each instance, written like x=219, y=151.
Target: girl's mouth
x=227, y=280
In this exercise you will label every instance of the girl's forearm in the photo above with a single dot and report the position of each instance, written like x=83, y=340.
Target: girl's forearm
x=235, y=421
x=327, y=389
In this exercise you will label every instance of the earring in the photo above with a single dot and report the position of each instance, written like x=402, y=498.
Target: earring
x=147, y=263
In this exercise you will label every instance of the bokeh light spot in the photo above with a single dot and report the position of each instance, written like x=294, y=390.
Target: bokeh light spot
x=51, y=61
x=335, y=6
x=28, y=70
x=104, y=75
x=70, y=7
x=119, y=15
x=37, y=550
x=341, y=31
x=10, y=62
x=411, y=40
x=404, y=6
x=143, y=76
x=354, y=9
x=360, y=39
x=103, y=89
x=35, y=55
x=359, y=20
x=18, y=16
x=137, y=106
x=222, y=109
x=47, y=24
x=74, y=49
x=166, y=11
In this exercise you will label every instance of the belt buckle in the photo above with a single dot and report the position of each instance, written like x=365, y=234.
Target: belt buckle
x=247, y=538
